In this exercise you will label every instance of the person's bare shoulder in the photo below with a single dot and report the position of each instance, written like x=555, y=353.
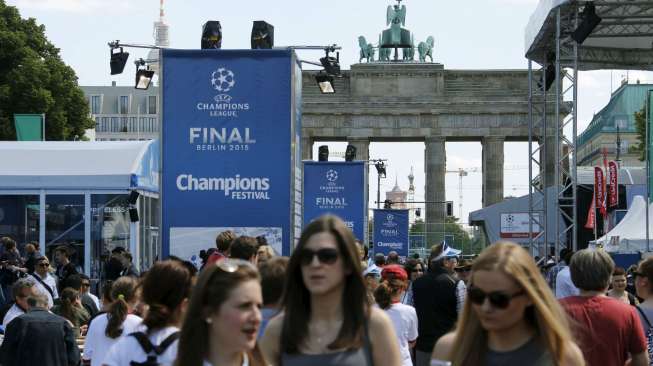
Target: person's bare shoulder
x=573, y=356
x=444, y=346
x=271, y=339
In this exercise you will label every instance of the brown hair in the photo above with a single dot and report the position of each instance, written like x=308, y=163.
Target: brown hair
x=124, y=293
x=619, y=271
x=214, y=286
x=273, y=276
x=66, y=307
x=546, y=314
x=386, y=290
x=223, y=241
x=646, y=268
x=165, y=287
x=297, y=299
x=243, y=247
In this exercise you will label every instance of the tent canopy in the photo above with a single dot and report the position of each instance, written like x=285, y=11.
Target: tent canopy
x=80, y=165
x=631, y=230
x=621, y=41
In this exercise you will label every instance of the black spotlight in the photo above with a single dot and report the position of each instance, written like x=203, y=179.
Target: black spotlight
x=387, y=204
x=133, y=214
x=548, y=77
x=133, y=197
x=325, y=83
x=418, y=212
x=380, y=169
x=262, y=35
x=118, y=60
x=212, y=35
x=350, y=153
x=449, y=208
x=589, y=21
x=323, y=153
x=143, y=75
x=331, y=64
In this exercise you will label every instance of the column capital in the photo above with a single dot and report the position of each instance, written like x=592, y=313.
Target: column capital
x=493, y=138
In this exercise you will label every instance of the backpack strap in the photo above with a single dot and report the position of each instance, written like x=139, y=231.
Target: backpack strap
x=45, y=285
x=151, y=350
x=644, y=316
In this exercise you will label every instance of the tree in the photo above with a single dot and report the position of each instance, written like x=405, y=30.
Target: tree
x=640, y=126
x=461, y=239
x=34, y=79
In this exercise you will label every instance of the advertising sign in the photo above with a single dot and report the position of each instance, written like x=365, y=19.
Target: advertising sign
x=599, y=189
x=515, y=225
x=230, y=134
x=391, y=232
x=336, y=188
x=613, y=190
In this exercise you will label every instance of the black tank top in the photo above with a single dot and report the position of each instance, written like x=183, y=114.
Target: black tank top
x=532, y=353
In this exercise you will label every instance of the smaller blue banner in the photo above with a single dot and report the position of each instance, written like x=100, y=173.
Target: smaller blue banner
x=391, y=232
x=336, y=188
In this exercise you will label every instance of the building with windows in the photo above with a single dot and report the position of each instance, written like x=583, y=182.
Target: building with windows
x=123, y=113
x=614, y=125
x=397, y=195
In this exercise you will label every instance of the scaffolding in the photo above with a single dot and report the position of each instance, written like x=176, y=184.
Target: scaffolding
x=622, y=40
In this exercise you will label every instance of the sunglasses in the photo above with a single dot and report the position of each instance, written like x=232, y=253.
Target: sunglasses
x=44, y=264
x=463, y=269
x=87, y=284
x=498, y=299
x=637, y=274
x=324, y=255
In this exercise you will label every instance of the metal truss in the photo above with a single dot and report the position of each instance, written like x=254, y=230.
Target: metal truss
x=537, y=132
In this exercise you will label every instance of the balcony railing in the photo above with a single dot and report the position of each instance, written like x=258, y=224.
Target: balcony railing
x=126, y=123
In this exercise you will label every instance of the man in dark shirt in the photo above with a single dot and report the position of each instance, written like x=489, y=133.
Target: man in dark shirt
x=65, y=268
x=39, y=338
x=434, y=295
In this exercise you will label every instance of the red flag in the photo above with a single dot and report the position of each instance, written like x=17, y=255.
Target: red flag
x=613, y=193
x=599, y=190
x=591, y=217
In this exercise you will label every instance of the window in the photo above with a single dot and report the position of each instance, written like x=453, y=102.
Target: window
x=123, y=107
x=96, y=104
x=151, y=104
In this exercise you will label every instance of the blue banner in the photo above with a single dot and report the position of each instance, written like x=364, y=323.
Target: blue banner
x=391, y=232
x=230, y=137
x=336, y=188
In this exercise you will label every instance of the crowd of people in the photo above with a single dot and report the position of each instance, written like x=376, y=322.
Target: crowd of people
x=329, y=303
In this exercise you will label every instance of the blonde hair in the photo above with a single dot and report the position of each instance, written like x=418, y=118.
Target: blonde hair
x=546, y=315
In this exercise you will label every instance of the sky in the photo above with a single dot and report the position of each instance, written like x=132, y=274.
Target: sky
x=469, y=34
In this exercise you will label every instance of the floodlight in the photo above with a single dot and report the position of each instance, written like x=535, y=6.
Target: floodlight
x=323, y=153
x=262, y=35
x=380, y=169
x=387, y=204
x=331, y=64
x=325, y=83
x=133, y=214
x=133, y=197
x=449, y=208
x=589, y=21
x=418, y=212
x=548, y=77
x=143, y=75
x=350, y=153
x=118, y=60
x=211, y=35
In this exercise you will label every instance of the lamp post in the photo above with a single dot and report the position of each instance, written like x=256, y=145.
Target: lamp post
x=380, y=170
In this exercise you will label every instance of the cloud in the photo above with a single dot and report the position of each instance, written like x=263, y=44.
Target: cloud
x=74, y=6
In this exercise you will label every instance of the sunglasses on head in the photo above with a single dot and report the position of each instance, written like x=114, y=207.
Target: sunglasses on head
x=324, y=255
x=498, y=299
x=231, y=265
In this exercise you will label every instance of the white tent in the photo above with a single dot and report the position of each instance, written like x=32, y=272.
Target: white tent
x=630, y=234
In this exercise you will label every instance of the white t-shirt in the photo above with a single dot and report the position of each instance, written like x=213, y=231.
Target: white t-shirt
x=404, y=319
x=97, y=343
x=52, y=284
x=127, y=349
x=14, y=312
x=564, y=286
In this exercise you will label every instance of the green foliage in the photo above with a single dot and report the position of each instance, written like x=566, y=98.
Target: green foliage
x=34, y=79
x=640, y=126
x=436, y=233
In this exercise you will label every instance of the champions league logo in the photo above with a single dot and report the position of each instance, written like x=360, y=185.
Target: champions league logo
x=390, y=217
x=223, y=80
x=332, y=175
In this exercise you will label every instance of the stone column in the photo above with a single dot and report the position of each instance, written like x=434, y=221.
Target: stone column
x=492, y=170
x=435, y=161
x=362, y=146
x=307, y=148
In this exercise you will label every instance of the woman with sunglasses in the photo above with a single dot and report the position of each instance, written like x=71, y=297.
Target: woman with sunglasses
x=165, y=289
x=223, y=317
x=327, y=320
x=415, y=270
x=510, y=316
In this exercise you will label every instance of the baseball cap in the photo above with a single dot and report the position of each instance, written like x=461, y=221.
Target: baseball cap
x=394, y=271
x=447, y=252
x=372, y=270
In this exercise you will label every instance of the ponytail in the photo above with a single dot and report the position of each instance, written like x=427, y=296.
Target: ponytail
x=387, y=290
x=123, y=291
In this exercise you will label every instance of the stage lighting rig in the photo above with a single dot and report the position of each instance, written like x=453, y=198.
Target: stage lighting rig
x=143, y=75
x=262, y=35
x=211, y=35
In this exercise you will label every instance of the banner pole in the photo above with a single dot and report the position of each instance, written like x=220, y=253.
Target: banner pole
x=43, y=126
